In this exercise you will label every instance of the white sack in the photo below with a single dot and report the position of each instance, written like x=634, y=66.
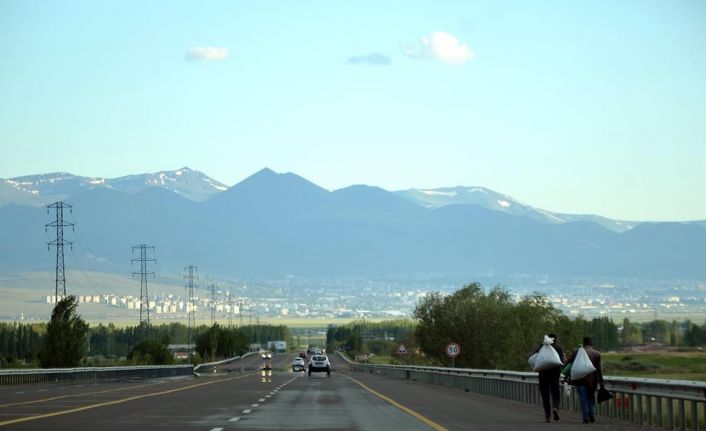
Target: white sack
x=582, y=365
x=547, y=357
x=531, y=360
x=567, y=389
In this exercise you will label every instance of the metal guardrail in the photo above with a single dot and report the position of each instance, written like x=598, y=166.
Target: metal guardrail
x=34, y=375
x=47, y=375
x=669, y=404
x=204, y=368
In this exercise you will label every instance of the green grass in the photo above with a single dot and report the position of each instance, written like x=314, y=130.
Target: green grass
x=657, y=365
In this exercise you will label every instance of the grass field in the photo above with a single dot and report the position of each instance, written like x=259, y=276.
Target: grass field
x=658, y=365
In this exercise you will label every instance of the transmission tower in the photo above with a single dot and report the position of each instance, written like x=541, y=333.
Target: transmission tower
x=212, y=291
x=144, y=296
x=230, y=309
x=190, y=309
x=59, y=224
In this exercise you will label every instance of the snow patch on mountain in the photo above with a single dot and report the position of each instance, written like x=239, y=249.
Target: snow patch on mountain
x=438, y=193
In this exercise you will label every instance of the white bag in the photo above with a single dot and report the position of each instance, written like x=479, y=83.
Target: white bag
x=531, y=360
x=567, y=389
x=582, y=365
x=547, y=357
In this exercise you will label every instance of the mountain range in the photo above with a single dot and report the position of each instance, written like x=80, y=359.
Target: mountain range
x=274, y=224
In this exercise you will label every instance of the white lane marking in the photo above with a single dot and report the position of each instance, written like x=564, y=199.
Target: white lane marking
x=268, y=396
x=255, y=405
x=216, y=429
x=233, y=419
x=247, y=411
x=17, y=393
x=262, y=400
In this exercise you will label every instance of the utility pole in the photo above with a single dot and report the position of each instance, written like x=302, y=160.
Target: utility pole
x=144, y=296
x=189, y=277
x=240, y=311
x=230, y=309
x=212, y=290
x=59, y=224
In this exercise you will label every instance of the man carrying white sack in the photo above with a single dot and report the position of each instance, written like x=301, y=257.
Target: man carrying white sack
x=547, y=359
x=586, y=375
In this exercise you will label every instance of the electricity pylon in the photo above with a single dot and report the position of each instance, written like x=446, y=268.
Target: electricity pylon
x=144, y=296
x=59, y=242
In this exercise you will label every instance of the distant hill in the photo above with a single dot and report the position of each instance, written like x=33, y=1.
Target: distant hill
x=486, y=198
x=273, y=224
x=37, y=190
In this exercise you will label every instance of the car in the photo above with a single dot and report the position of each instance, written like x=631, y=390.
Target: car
x=298, y=364
x=266, y=355
x=319, y=363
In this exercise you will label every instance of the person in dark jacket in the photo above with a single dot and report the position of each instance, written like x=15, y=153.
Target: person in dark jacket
x=549, y=383
x=587, y=386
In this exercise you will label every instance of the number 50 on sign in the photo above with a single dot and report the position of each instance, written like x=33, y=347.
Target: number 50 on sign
x=453, y=350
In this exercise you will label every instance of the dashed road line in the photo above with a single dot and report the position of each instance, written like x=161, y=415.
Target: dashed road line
x=216, y=429
x=236, y=419
x=247, y=411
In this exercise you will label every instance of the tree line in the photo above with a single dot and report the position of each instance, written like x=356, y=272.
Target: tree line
x=497, y=331
x=68, y=341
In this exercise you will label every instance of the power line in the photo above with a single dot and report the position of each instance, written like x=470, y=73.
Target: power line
x=190, y=309
x=212, y=290
x=144, y=295
x=59, y=224
x=230, y=309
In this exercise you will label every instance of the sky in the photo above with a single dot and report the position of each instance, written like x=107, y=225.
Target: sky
x=580, y=107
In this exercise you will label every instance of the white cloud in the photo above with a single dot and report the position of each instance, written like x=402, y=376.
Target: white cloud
x=441, y=46
x=207, y=53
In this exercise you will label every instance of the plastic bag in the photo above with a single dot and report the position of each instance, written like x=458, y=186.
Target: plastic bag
x=567, y=369
x=547, y=357
x=567, y=389
x=531, y=360
x=582, y=365
x=604, y=394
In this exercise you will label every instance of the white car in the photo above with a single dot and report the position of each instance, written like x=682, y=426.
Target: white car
x=298, y=364
x=319, y=363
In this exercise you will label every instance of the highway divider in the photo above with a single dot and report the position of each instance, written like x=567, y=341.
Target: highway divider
x=670, y=404
x=210, y=367
x=39, y=375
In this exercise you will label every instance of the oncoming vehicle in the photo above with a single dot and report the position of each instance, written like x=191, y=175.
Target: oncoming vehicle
x=319, y=363
x=266, y=355
x=298, y=364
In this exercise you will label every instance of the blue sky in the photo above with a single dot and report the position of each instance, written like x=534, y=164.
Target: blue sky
x=593, y=107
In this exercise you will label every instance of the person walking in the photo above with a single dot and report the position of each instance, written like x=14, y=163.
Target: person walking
x=587, y=386
x=549, y=383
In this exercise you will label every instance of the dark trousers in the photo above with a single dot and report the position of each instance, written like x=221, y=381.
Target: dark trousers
x=549, y=384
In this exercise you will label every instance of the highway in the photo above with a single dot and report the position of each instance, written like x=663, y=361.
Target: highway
x=242, y=396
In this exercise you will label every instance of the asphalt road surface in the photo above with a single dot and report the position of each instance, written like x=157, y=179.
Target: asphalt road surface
x=242, y=396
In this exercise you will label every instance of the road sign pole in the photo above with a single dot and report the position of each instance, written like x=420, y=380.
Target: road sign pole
x=453, y=362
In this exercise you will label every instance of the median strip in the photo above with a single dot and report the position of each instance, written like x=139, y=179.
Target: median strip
x=407, y=410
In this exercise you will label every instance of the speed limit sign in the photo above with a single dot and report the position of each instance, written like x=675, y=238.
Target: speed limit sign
x=453, y=350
